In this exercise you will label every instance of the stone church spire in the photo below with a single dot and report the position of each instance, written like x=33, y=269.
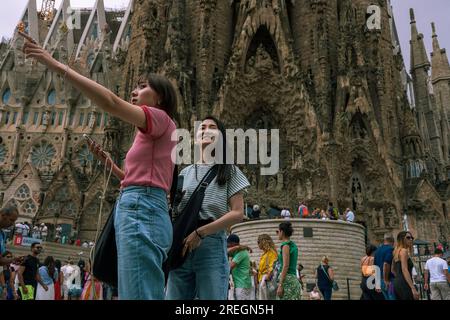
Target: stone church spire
x=439, y=60
x=440, y=77
x=419, y=58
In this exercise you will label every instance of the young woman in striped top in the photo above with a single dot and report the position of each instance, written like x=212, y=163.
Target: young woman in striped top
x=204, y=274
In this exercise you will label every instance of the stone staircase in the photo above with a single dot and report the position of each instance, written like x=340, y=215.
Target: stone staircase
x=57, y=251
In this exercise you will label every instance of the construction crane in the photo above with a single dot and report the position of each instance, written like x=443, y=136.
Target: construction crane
x=47, y=10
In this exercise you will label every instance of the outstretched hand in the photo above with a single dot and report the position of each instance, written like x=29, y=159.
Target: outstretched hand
x=35, y=51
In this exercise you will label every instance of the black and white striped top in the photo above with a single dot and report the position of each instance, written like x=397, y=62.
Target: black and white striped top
x=215, y=202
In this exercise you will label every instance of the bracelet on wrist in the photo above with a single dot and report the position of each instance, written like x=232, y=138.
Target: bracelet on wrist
x=198, y=234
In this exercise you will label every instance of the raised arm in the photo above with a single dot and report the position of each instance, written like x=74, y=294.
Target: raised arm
x=99, y=95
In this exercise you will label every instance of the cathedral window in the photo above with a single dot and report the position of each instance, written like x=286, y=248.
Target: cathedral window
x=29, y=207
x=53, y=118
x=7, y=116
x=2, y=153
x=71, y=118
x=70, y=209
x=23, y=192
x=81, y=119
x=14, y=117
x=25, y=117
x=62, y=194
x=90, y=59
x=60, y=118
x=99, y=119
x=53, y=208
x=42, y=154
x=35, y=118
x=51, y=97
x=6, y=96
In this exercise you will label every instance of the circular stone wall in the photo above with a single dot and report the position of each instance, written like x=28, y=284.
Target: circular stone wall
x=342, y=242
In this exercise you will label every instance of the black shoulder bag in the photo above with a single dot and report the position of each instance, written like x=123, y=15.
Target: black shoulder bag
x=104, y=265
x=186, y=222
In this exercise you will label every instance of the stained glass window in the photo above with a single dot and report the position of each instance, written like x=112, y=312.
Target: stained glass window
x=35, y=118
x=51, y=97
x=70, y=209
x=7, y=115
x=25, y=117
x=81, y=120
x=60, y=118
x=53, y=208
x=90, y=59
x=6, y=96
x=42, y=154
x=62, y=194
x=99, y=119
x=29, y=207
x=23, y=192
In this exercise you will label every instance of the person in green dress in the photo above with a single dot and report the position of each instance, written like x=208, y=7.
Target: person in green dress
x=288, y=285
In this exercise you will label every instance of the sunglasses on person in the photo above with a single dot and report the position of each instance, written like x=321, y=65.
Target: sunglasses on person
x=39, y=248
x=409, y=238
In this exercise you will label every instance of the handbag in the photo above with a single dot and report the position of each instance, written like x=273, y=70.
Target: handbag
x=334, y=284
x=186, y=222
x=104, y=266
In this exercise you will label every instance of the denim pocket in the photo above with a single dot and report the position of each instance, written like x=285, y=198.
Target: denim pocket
x=129, y=201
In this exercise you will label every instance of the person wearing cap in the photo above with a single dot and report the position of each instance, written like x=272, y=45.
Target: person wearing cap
x=240, y=269
x=436, y=269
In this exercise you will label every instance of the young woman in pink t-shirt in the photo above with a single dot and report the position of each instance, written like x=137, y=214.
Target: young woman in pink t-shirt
x=142, y=223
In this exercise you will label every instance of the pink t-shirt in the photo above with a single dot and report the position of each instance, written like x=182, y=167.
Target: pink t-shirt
x=148, y=162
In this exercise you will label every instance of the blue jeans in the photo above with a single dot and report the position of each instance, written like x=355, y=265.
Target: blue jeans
x=205, y=273
x=143, y=238
x=326, y=292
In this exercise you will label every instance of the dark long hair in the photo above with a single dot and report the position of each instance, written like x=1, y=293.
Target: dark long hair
x=165, y=90
x=49, y=262
x=225, y=170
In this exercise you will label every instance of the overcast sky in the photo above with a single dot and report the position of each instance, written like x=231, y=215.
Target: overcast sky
x=426, y=12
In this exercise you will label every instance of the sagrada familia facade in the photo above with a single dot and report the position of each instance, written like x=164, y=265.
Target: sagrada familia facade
x=357, y=127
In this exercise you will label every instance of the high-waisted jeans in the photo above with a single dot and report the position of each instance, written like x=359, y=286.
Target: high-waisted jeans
x=143, y=238
x=205, y=273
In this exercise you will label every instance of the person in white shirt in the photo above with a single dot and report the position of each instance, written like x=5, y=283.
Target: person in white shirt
x=35, y=233
x=285, y=213
x=436, y=269
x=349, y=215
x=44, y=232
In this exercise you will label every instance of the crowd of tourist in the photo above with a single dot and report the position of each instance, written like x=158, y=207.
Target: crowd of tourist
x=389, y=273
x=302, y=211
x=50, y=280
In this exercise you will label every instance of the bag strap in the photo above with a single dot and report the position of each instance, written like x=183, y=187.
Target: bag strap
x=326, y=273
x=206, y=180
x=203, y=184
